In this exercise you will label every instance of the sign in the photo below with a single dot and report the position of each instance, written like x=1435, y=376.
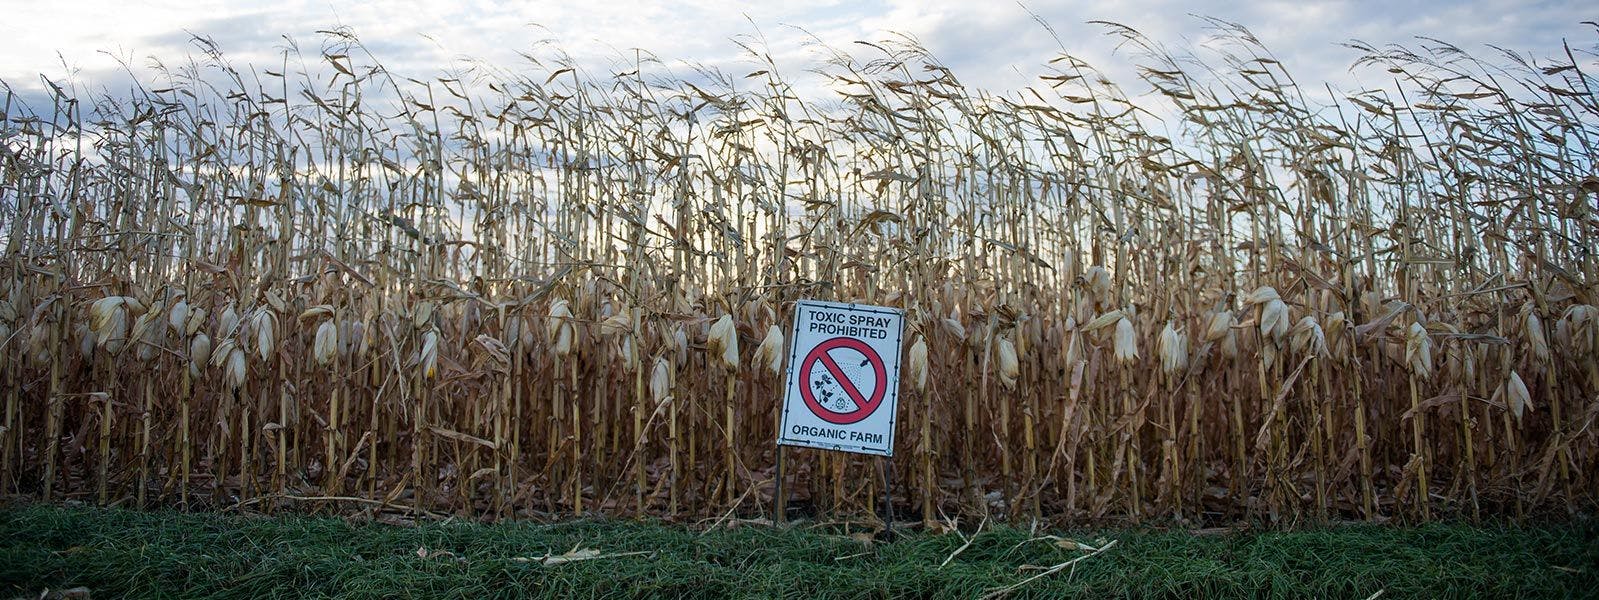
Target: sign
x=843, y=378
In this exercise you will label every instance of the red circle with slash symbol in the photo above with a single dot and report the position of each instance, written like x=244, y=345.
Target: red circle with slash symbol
x=822, y=381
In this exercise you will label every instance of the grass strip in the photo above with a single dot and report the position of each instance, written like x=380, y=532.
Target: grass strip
x=129, y=554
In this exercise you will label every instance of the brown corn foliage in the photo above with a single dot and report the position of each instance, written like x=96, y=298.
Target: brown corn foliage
x=512, y=292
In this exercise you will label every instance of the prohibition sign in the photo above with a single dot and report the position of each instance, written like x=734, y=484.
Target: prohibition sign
x=864, y=406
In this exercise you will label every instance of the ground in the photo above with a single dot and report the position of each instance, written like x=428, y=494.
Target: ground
x=114, y=553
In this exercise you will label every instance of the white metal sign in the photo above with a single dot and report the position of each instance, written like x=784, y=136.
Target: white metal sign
x=843, y=378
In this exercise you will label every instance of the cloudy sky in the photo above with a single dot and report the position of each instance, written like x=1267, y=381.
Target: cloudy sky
x=995, y=45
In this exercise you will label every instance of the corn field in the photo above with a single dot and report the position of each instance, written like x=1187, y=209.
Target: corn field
x=522, y=290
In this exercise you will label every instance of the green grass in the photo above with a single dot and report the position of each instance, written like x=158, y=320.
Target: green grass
x=119, y=553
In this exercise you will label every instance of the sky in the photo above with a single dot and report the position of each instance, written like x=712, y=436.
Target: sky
x=993, y=45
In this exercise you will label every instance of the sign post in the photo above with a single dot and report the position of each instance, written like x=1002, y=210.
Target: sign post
x=843, y=383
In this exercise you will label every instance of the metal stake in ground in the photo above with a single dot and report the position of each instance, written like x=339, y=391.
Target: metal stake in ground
x=779, y=499
x=888, y=497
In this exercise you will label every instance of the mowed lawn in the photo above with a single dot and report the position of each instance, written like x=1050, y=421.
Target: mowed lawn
x=163, y=554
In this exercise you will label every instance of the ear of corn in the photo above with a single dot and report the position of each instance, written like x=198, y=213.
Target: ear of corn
x=1126, y=341
x=1009, y=363
x=1173, y=349
x=770, y=352
x=723, y=342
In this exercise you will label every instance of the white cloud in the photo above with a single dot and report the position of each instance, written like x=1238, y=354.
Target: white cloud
x=992, y=45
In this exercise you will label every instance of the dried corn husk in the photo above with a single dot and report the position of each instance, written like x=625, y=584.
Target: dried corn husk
x=1009, y=365
x=178, y=317
x=265, y=326
x=954, y=328
x=39, y=344
x=1307, y=337
x=1262, y=295
x=617, y=324
x=196, y=320
x=1099, y=283
x=1105, y=320
x=491, y=347
x=1517, y=398
x=1274, y=320
x=148, y=334
x=326, y=343
x=1337, y=327
x=1173, y=349
x=1532, y=328
x=1074, y=343
x=320, y=311
x=661, y=379
x=1418, y=351
x=199, y=353
x=916, y=364
x=108, y=321
x=234, y=373
x=770, y=352
x=428, y=357
x=1126, y=341
x=680, y=346
x=219, y=355
x=723, y=341
x=1219, y=325
x=558, y=328
x=228, y=322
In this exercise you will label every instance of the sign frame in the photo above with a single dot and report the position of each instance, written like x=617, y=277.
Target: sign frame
x=801, y=413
